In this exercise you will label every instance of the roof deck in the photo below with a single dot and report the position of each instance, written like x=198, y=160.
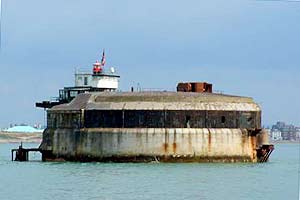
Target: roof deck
x=159, y=101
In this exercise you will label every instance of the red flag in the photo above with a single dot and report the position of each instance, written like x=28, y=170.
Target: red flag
x=103, y=59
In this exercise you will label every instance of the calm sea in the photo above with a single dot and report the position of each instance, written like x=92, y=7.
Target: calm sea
x=277, y=179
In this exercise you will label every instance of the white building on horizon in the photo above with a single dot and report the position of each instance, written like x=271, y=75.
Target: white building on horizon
x=275, y=134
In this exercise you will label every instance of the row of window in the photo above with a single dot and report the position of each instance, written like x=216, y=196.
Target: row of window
x=156, y=119
x=171, y=119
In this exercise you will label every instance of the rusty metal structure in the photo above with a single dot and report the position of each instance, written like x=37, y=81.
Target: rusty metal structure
x=156, y=126
x=22, y=154
x=195, y=87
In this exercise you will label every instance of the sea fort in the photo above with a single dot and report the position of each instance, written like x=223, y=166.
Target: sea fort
x=92, y=121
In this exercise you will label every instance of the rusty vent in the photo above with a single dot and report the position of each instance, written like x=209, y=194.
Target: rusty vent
x=194, y=87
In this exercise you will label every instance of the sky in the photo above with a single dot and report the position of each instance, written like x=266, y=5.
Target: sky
x=244, y=47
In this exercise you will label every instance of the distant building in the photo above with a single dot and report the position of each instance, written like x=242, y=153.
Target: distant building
x=37, y=126
x=288, y=131
x=297, y=133
x=276, y=134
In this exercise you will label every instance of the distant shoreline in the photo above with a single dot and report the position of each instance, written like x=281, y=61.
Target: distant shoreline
x=285, y=142
x=15, y=137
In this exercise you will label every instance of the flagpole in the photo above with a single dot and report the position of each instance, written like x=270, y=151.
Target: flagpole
x=103, y=59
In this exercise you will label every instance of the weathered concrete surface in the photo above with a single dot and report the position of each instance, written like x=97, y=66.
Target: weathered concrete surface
x=152, y=144
x=159, y=101
x=155, y=126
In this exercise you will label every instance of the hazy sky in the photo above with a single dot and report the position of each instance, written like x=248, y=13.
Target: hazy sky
x=243, y=47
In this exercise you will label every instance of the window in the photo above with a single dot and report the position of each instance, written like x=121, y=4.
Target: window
x=249, y=120
x=223, y=119
x=85, y=80
x=73, y=93
x=62, y=95
x=187, y=121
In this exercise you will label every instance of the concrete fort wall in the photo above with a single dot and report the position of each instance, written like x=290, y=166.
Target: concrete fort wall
x=151, y=144
x=171, y=119
x=155, y=126
x=154, y=119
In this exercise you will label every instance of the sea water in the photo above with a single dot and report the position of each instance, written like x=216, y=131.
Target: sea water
x=277, y=179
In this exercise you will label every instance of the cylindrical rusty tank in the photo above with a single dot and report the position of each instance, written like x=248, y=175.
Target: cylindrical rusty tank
x=155, y=126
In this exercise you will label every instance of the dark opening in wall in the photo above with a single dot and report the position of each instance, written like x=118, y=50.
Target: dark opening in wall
x=187, y=121
x=223, y=119
x=249, y=120
x=85, y=80
x=165, y=119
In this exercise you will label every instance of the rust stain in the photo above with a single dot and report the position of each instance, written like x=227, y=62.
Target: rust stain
x=209, y=140
x=244, y=141
x=147, y=137
x=174, y=147
x=253, y=146
x=165, y=146
x=175, y=136
x=190, y=143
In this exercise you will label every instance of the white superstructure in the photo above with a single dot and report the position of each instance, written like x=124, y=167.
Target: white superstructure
x=99, y=78
x=95, y=80
x=106, y=81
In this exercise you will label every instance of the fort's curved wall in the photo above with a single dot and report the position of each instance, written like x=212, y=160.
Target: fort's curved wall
x=160, y=126
x=151, y=144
